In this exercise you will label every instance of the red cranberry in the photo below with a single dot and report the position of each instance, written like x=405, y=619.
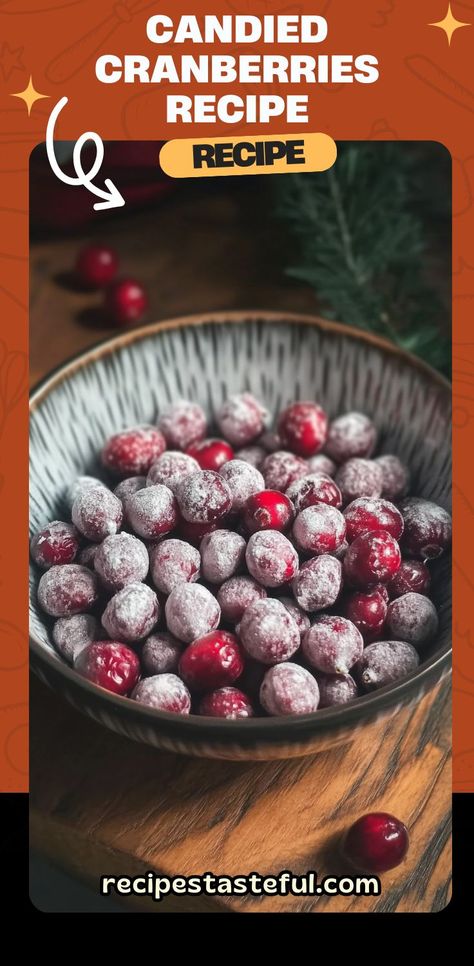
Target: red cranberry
x=66, y=590
x=226, y=703
x=211, y=454
x=96, y=265
x=243, y=480
x=319, y=529
x=268, y=632
x=297, y=613
x=194, y=532
x=110, y=665
x=132, y=613
x=204, y=497
x=212, y=661
x=152, y=512
x=57, y=543
x=72, y=634
x=235, y=595
x=318, y=583
x=171, y=468
x=281, y=469
x=241, y=418
x=352, y=434
x=164, y=692
x=120, y=560
x=372, y=558
x=377, y=842
x=132, y=451
x=367, y=611
x=413, y=575
x=126, y=302
x=80, y=484
x=335, y=689
x=161, y=653
x=358, y=478
x=396, y=478
x=267, y=510
x=97, y=513
x=385, y=662
x=314, y=488
x=183, y=423
x=332, y=645
x=365, y=515
x=302, y=427
x=427, y=528
x=271, y=558
x=254, y=455
x=191, y=611
x=322, y=465
x=222, y=555
x=289, y=689
x=412, y=618
x=174, y=562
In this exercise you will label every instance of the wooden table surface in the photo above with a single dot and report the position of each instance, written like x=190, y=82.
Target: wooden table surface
x=102, y=804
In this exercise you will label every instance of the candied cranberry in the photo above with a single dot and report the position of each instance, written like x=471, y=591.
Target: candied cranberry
x=322, y=465
x=299, y=615
x=377, y=842
x=132, y=451
x=349, y=435
x=413, y=575
x=164, y=692
x=314, y=488
x=268, y=632
x=335, y=689
x=254, y=455
x=267, y=510
x=427, y=528
x=412, y=618
x=243, y=481
x=241, y=418
x=385, y=662
x=191, y=611
x=302, y=427
x=120, y=560
x=332, y=645
x=183, y=423
x=72, y=634
x=204, y=497
x=126, y=488
x=170, y=468
x=132, y=613
x=212, y=661
x=372, y=558
x=66, y=590
x=88, y=554
x=211, y=454
x=289, y=689
x=161, y=653
x=152, y=512
x=97, y=513
x=396, y=478
x=126, y=302
x=271, y=558
x=367, y=611
x=79, y=485
x=110, y=665
x=319, y=529
x=281, y=469
x=226, y=703
x=270, y=441
x=236, y=594
x=365, y=515
x=318, y=583
x=222, y=555
x=57, y=543
x=174, y=562
x=194, y=532
x=96, y=265
x=358, y=478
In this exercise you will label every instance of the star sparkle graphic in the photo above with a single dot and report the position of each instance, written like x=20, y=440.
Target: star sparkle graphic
x=10, y=60
x=30, y=95
x=449, y=24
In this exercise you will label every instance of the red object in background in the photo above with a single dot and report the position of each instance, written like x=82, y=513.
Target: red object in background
x=125, y=302
x=96, y=265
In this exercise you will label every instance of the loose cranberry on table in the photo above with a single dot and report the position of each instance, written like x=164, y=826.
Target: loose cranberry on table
x=322, y=465
x=212, y=661
x=376, y=842
x=267, y=510
x=72, y=634
x=352, y=434
x=302, y=427
x=67, y=589
x=97, y=513
x=318, y=583
x=171, y=468
x=236, y=594
x=268, y=632
x=191, y=611
x=241, y=418
x=413, y=575
x=372, y=558
x=164, y=692
x=385, y=662
x=126, y=302
x=109, y=664
x=131, y=613
x=335, y=689
x=211, y=454
x=281, y=469
x=204, y=497
x=243, y=480
x=120, y=560
x=57, y=543
x=319, y=529
x=226, y=703
x=365, y=515
x=396, y=477
x=222, y=555
x=367, y=611
x=182, y=423
x=332, y=645
x=174, y=562
x=153, y=512
x=428, y=528
x=271, y=558
x=289, y=689
x=132, y=451
x=359, y=478
x=161, y=653
x=96, y=266
x=314, y=488
x=412, y=618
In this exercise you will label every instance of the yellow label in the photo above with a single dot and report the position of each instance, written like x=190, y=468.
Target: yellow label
x=266, y=154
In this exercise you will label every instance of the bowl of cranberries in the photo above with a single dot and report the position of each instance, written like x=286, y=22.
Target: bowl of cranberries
x=240, y=533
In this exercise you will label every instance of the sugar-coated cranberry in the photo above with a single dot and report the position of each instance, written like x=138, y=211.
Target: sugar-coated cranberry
x=377, y=842
x=236, y=594
x=302, y=427
x=365, y=515
x=87, y=555
x=412, y=618
x=268, y=632
x=67, y=589
x=358, y=478
x=332, y=645
x=97, y=513
x=322, y=465
x=241, y=418
x=110, y=665
x=254, y=455
x=297, y=613
x=126, y=488
x=372, y=558
x=174, y=562
x=427, y=530
x=153, y=511
x=289, y=689
x=57, y=543
x=212, y=661
x=243, y=481
x=367, y=611
x=413, y=575
x=270, y=441
x=161, y=653
x=191, y=611
x=72, y=634
x=335, y=689
x=226, y=703
x=211, y=454
x=314, y=488
x=318, y=583
x=132, y=613
x=171, y=468
x=352, y=434
x=132, y=451
x=267, y=510
x=96, y=265
x=120, y=560
x=204, y=497
x=126, y=302
x=385, y=662
x=80, y=484
x=222, y=555
x=281, y=469
x=194, y=532
x=396, y=478
x=183, y=423
x=164, y=692
x=319, y=529
x=271, y=558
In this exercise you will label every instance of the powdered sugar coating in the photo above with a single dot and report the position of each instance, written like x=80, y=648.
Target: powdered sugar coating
x=228, y=703
x=126, y=488
x=153, y=511
x=332, y=645
x=289, y=689
x=132, y=451
x=318, y=583
x=427, y=528
x=349, y=435
x=222, y=555
x=385, y=662
x=87, y=555
x=298, y=615
x=191, y=611
x=57, y=543
x=281, y=469
x=67, y=590
x=97, y=513
x=204, y=497
x=314, y=488
x=164, y=692
x=335, y=689
x=321, y=464
x=254, y=455
x=72, y=634
x=161, y=653
x=412, y=618
x=79, y=485
x=241, y=418
x=365, y=515
x=132, y=613
x=174, y=562
x=271, y=558
x=319, y=529
x=236, y=594
x=120, y=560
x=243, y=480
x=182, y=423
x=268, y=632
x=358, y=478
x=171, y=468
x=302, y=427
x=396, y=476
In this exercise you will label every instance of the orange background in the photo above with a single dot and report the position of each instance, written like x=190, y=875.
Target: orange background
x=425, y=91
